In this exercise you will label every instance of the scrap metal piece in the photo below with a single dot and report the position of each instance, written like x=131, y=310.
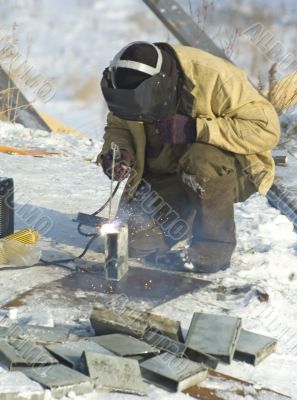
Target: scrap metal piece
x=16, y=386
x=3, y=331
x=283, y=199
x=16, y=353
x=167, y=326
x=280, y=157
x=70, y=353
x=254, y=348
x=173, y=373
x=179, y=349
x=38, y=334
x=110, y=320
x=116, y=254
x=114, y=373
x=182, y=26
x=281, y=160
x=60, y=379
x=165, y=343
x=132, y=322
x=124, y=345
x=213, y=334
x=220, y=386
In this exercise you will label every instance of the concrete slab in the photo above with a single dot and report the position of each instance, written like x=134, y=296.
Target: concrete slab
x=19, y=353
x=254, y=348
x=124, y=345
x=213, y=334
x=173, y=373
x=114, y=373
x=59, y=379
x=16, y=386
x=70, y=353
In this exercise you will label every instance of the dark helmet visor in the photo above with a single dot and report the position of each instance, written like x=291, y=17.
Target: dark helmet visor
x=151, y=101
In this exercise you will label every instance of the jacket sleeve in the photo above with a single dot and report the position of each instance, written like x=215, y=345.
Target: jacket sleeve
x=243, y=121
x=116, y=131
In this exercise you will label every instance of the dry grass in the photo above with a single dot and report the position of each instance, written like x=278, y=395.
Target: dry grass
x=9, y=103
x=283, y=93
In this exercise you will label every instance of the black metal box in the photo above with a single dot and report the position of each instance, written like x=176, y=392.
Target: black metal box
x=6, y=207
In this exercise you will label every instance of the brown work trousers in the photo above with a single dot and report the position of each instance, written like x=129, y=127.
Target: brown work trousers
x=196, y=203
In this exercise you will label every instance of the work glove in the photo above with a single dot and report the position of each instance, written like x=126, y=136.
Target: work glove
x=122, y=165
x=178, y=129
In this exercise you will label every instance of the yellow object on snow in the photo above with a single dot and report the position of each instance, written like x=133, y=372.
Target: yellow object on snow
x=20, y=248
x=20, y=254
x=26, y=236
x=3, y=259
x=58, y=126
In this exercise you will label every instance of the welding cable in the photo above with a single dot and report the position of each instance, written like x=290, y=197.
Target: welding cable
x=59, y=262
x=109, y=199
x=99, y=211
x=92, y=236
x=66, y=260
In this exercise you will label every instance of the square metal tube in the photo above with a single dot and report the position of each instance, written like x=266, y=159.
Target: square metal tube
x=116, y=254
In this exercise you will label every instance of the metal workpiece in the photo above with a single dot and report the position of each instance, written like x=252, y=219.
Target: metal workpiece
x=125, y=345
x=164, y=343
x=107, y=321
x=116, y=253
x=167, y=326
x=70, y=353
x=114, y=373
x=38, y=334
x=4, y=332
x=178, y=349
x=213, y=334
x=16, y=353
x=173, y=373
x=254, y=348
x=59, y=379
x=133, y=322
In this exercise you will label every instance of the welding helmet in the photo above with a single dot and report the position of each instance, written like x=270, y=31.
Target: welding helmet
x=141, y=83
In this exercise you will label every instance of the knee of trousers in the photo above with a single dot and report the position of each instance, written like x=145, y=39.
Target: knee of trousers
x=206, y=160
x=208, y=170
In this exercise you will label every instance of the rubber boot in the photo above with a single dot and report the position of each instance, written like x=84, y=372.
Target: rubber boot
x=214, y=234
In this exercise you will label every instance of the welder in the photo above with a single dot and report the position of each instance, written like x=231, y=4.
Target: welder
x=195, y=137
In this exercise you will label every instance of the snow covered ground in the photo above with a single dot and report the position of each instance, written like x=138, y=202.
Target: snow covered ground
x=265, y=261
x=68, y=43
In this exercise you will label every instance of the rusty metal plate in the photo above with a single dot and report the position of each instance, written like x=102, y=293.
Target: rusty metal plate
x=146, y=284
x=219, y=386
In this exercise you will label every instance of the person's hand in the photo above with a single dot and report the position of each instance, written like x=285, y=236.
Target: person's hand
x=178, y=129
x=122, y=165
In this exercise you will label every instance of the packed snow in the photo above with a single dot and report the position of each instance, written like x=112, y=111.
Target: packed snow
x=75, y=41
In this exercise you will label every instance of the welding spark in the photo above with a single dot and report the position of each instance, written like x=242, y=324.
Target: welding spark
x=108, y=228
